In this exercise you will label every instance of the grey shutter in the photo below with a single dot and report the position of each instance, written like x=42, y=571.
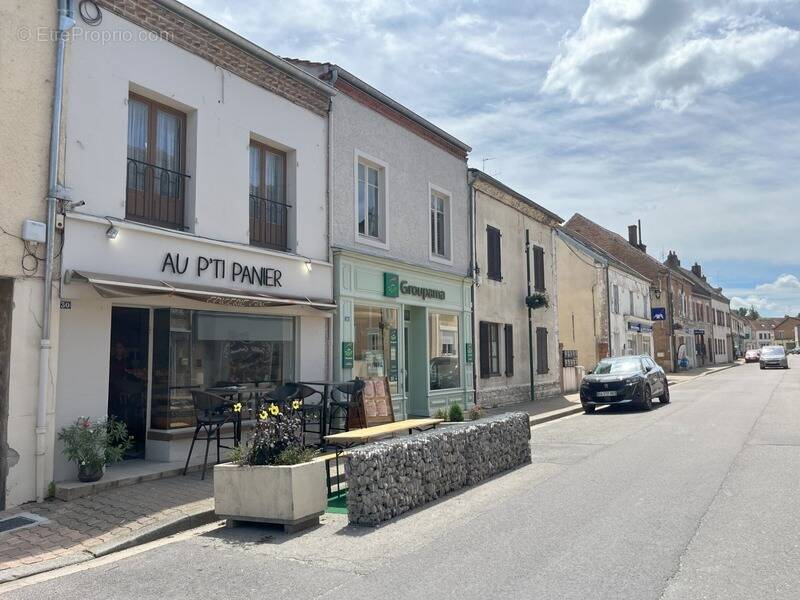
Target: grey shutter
x=483, y=341
x=538, y=268
x=493, y=258
x=509, y=347
x=541, y=350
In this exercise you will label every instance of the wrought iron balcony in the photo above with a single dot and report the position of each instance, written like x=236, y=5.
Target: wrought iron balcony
x=269, y=223
x=155, y=195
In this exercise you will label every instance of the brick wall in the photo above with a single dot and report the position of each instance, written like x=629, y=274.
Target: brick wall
x=201, y=42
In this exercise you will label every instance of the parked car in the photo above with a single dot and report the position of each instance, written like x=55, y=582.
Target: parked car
x=794, y=351
x=773, y=356
x=751, y=356
x=624, y=380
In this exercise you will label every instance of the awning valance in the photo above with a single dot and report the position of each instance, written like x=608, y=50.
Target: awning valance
x=120, y=286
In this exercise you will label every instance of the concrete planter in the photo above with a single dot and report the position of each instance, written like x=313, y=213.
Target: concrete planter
x=293, y=496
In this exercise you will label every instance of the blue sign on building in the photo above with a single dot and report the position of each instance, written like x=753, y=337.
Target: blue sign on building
x=658, y=314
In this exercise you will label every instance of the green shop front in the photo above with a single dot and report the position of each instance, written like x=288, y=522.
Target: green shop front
x=409, y=324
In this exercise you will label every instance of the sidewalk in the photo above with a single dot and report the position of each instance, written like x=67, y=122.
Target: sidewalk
x=545, y=409
x=684, y=376
x=95, y=525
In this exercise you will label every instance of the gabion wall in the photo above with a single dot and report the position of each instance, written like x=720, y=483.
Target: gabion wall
x=390, y=477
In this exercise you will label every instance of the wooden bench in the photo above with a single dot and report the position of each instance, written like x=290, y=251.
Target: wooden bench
x=356, y=437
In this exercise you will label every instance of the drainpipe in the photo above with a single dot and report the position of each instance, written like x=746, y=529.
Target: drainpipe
x=329, y=226
x=65, y=22
x=608, y=308
x=670, y=310
x=471, y=273
x=530, y=311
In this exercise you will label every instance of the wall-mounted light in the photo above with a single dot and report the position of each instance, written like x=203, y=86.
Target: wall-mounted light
x=112, y=233
x=656, y=293
x=308, y=265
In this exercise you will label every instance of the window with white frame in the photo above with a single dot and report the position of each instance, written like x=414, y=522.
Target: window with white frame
x=371, y=201
x=440, y=225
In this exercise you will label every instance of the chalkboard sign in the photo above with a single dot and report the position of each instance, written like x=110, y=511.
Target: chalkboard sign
x=377, y=399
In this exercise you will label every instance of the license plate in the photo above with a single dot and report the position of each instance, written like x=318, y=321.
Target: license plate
x=606, y=394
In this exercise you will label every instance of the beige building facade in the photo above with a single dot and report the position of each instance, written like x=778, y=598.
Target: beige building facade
x=582, y=302
x=27, y=62
x=502, y=219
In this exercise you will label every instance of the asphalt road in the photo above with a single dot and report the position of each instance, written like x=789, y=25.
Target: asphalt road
x=696, y=499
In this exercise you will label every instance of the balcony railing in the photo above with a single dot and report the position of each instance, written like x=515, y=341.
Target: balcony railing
x=269, y=223
x=155, y=195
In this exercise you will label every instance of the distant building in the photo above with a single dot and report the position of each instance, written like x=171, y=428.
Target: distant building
x=786, y=332
x=604, y=306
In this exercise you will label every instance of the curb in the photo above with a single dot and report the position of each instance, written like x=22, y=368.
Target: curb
x=555, y=414
x=154, y=532
x=17, y=573
x=144, y=535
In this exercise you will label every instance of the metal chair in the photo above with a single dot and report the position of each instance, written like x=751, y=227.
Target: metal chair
x=211, y=412
x=282, y=394
x=340, y=407
x=313, y=408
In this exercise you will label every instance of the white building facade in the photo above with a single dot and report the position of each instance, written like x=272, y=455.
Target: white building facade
x=196, y=253
x=399, y=234
x=505, y=222
x=629, y=302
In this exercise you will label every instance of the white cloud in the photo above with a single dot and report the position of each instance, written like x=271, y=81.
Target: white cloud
x=785, y=282
x=777, y=298
x=663, y=52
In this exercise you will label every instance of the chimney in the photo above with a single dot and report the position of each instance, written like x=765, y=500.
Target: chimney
x=697, y=270
x=672, y=259
x=633, y=236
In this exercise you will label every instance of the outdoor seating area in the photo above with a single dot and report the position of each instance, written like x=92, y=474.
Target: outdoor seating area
x=324, y=406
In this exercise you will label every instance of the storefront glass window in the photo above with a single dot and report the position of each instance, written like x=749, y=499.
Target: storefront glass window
x=376, y=344
x=198, y=350
x=443, y=347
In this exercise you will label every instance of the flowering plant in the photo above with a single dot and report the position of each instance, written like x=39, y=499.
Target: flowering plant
x=277, y=438
x=95, y=444
x=537, y=300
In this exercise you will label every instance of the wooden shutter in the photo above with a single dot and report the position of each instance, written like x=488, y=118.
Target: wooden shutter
x=541, y=350
x=509, y=343
x=538, y=268
x=493, y=258
x=483, y=341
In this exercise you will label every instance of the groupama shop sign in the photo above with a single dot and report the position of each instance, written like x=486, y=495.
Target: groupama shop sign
x=394, y=287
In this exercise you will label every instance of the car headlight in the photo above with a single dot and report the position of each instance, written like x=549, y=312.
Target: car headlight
x=632, y=381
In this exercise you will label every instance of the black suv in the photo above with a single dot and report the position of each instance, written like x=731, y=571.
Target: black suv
x=624, y=380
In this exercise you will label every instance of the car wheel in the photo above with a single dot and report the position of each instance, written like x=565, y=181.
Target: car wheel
x=588, y=409
x=761, y=367
x=664, y=398
x=647, y=398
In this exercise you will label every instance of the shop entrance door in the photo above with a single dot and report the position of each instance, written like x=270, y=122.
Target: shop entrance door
x=128, y=373
x=416, y=357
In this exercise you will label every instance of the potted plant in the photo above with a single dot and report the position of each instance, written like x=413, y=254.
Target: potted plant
x=273, y=479
x=537, y=300
x=93, y=445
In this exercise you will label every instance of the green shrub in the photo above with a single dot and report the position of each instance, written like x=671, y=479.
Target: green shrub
x=456, y=414
x=95, y=444
x=295, y=456
x=440, y=414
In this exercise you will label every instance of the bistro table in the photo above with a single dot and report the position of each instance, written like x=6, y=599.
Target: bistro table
x=326, y=397
x=247, y=395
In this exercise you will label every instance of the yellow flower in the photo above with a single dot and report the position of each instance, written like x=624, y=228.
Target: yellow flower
x=237, y=407
x=296, y=404
x=274, y=410
x=263, y=415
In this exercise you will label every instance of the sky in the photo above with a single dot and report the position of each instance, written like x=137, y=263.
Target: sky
x=681, y=113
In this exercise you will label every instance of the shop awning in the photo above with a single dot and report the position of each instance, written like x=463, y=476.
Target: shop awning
x=119, y=286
